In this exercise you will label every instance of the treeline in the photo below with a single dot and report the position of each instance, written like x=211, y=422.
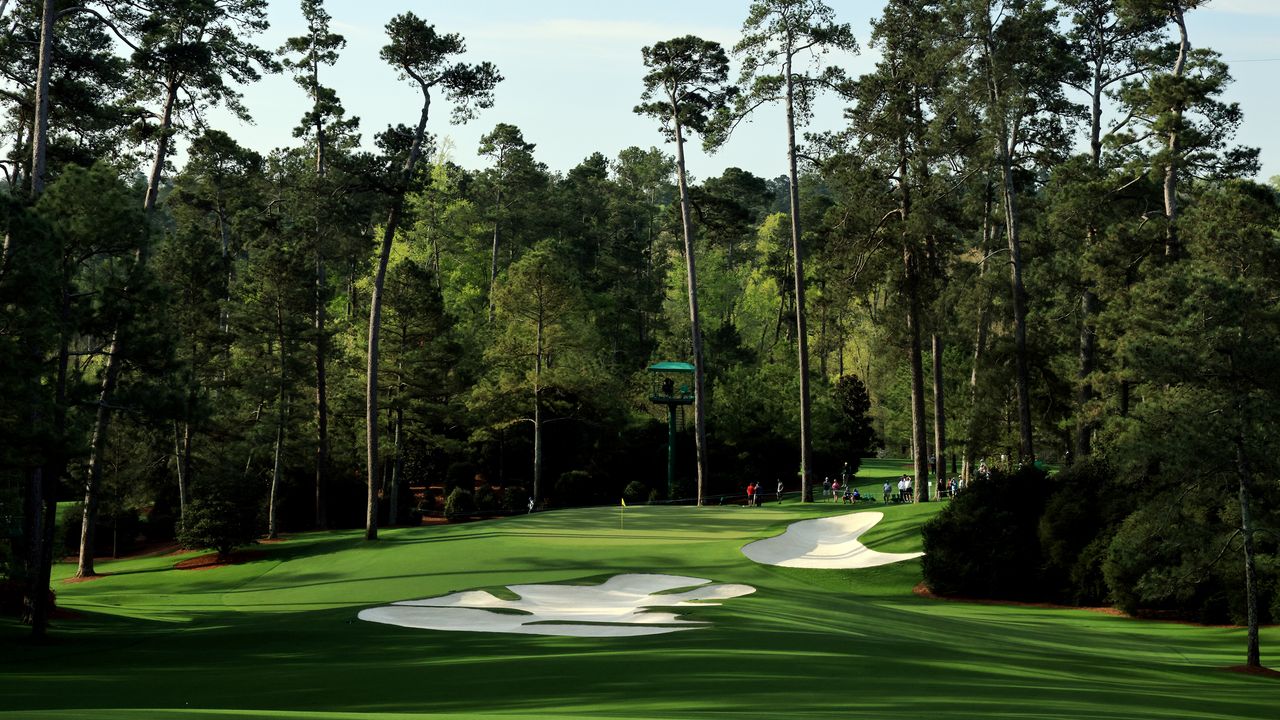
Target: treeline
x=1032, y=239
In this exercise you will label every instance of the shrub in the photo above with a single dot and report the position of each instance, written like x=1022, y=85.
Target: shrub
x=460, y=475
x=854, y=431
x=218, y=523
x=985, y=542
x=576, y=487
x=459, y=503
x=1079, y=520
x=161, y=524
x=485, y=498
x=636, y=492
x=414, y=516
x=515, y=499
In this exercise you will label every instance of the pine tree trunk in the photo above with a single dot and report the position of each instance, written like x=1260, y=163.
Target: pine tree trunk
x=1088, y=299
x=371, y=377
x=281, y=413
x=397, y=468
x=44, y=70
x=919, y=444
x=911, y=275
x=321, y=282
x=493, y=261
x=111, y=374
x=43, y=492
x=375, y=320
x=802, y=335
x=34, y=610
x=97, y=444
x=537, y=414
x=1005, y=143
x=275, y=477
x=1172, y=246
x=322, y=399
x=1088, y=360
x=939, y=415
x=1022, y=382
x=695, y=328
x=179, y=470
x=1253, y=656
x=979, y=344
x=41, y=608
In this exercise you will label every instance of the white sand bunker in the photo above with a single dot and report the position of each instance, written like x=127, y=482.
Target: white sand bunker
x=616, y=608
x=826, y=543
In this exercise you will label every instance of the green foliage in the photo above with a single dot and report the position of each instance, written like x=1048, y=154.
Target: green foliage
x=1177, y=557
x=521, y=304
x=515, y=499
x=206, y=47
x=985, y=543
x=1079, y=520
x=460, y=503
x=855, y=434
x=459, y=475
x=1088, y=537
x=686, y=86
x=303, y=57
x=218, y=522
x=636, y=492
x=785, y=36
x=485, y=498
x=577, y=487
x=424, y=56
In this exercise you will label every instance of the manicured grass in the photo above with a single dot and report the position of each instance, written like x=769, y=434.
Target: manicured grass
x=278, y=638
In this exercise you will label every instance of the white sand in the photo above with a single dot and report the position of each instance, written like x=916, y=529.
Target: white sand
x=826, y=543
x=616, y=608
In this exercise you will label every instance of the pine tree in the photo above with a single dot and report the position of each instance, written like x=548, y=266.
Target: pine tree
x=687, y=85
x=186, y=52
x=1020, y=63
x=304, y=57
x=777, y=33
x=423, y=56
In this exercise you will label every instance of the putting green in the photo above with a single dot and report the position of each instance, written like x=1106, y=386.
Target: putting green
x=277, y=637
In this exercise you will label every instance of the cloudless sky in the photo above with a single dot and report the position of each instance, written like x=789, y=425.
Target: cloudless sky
x=573, y=72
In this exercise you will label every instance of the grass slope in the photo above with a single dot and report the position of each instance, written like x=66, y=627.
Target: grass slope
x=278, y=637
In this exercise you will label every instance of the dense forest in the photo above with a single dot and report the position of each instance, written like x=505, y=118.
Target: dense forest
x=1033, y=239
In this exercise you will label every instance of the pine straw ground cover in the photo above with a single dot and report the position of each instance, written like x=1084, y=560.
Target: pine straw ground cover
x=277, y=636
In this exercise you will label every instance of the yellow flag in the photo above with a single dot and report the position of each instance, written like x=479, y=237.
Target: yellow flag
x=624, y=502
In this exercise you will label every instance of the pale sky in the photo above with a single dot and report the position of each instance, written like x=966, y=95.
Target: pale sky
x=573, y=73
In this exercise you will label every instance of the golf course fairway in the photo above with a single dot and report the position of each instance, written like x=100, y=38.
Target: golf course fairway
x=278, y=636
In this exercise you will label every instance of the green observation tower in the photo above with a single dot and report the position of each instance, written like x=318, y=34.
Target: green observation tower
x=671, y=384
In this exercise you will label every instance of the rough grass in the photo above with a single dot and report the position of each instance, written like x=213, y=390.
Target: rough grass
x=277, y=637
